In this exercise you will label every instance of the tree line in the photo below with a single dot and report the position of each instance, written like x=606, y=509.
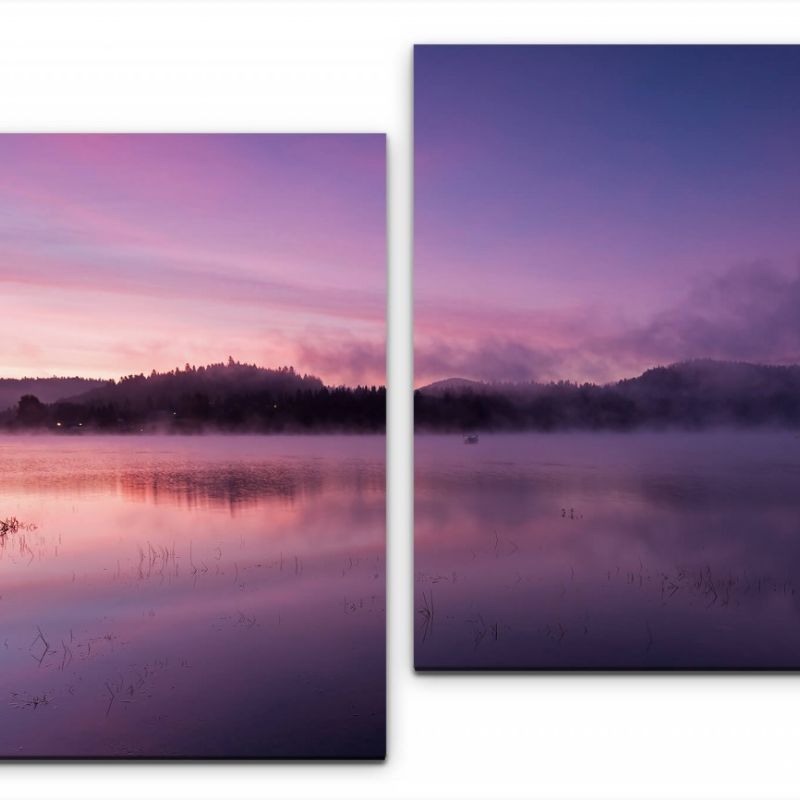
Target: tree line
x=226, y=397
x=691, y=395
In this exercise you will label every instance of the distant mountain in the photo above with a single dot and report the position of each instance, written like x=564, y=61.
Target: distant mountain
x=467, y=386
x=690, y=394
x=229, y=397
x=48, y=390
x=455, y=385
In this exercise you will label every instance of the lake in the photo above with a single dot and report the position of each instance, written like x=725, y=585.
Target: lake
x=210, y=596
x=608, y=551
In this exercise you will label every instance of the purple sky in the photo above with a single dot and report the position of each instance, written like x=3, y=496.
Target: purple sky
x=125, y=253
x=588, y=212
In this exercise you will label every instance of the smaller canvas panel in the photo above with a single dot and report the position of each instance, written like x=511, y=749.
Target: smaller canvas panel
x=607, y=405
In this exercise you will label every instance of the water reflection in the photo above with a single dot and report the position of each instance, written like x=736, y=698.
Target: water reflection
x=608, y=551
x=213, y=596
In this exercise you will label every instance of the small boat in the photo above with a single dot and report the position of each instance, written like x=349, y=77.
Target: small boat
x=470, y=438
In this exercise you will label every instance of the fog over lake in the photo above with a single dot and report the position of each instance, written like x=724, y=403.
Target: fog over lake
x=192, y=596
x=608, y=551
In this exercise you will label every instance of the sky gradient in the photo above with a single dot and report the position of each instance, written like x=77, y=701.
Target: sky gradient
x=120, y=254
x=588, y=212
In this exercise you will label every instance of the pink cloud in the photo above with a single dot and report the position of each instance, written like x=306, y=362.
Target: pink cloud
x=125, y=253
x=748, y=312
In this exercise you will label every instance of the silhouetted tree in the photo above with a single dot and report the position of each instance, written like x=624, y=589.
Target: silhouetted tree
x=693, y=394
x=31, y=412
x=229, y=397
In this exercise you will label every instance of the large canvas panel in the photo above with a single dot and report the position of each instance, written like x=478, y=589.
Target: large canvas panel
x=192, y=471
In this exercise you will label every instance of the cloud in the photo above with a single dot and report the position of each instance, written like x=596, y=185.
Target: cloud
x=348, y=361
x=494, y=359
x=750, y=312
x=220, y=284
x=124, y=253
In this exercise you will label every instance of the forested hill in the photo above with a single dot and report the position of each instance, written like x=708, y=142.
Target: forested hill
x=231, y=396
x=690, y=394
x=215, y=382
x=48, y=390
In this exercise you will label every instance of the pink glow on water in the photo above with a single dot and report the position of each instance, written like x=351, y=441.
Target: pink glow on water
x=607, y=551
x=206, y=596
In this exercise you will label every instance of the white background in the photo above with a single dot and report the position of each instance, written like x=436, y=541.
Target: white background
x=346, y=66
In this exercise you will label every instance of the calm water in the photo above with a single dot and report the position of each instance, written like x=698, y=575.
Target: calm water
x=193, y=596
x=594, y=551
